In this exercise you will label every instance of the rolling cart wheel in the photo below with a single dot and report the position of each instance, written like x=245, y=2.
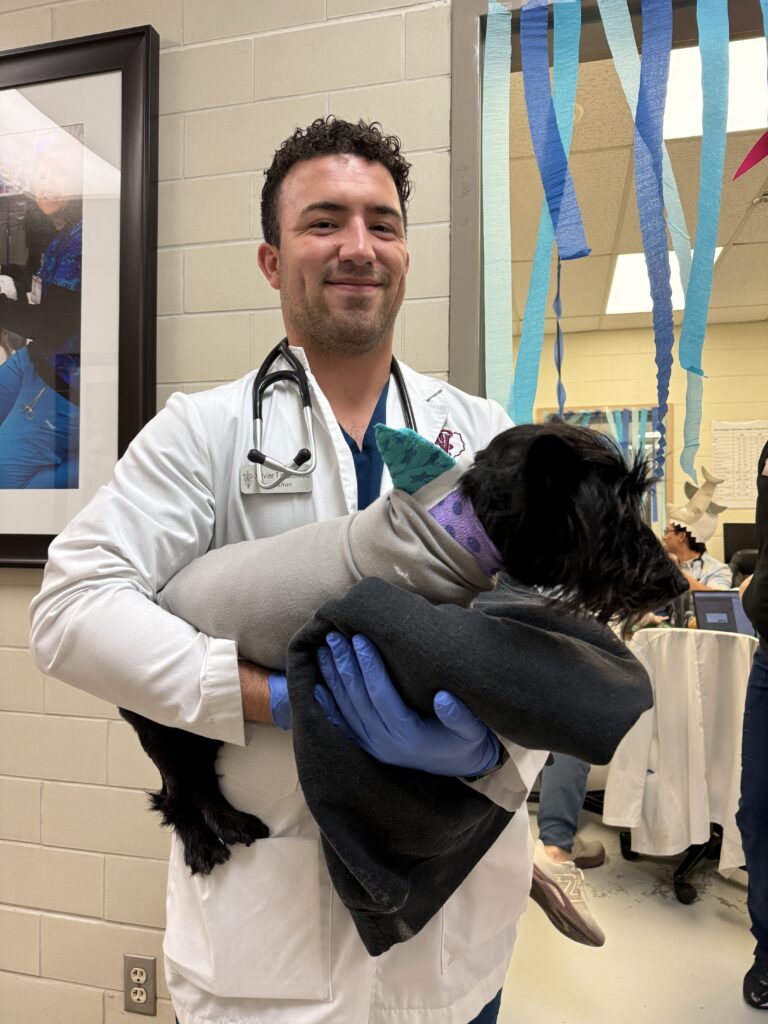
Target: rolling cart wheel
x=625, y=842
x=685, y=892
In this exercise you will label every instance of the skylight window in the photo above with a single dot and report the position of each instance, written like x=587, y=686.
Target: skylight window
x=631, y=289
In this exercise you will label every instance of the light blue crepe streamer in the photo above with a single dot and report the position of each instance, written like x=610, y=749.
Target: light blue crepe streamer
x=547, y=144
x=649, y=123
x=641, y=430
x=712, y=17
x=566, y=73
x=617, y=25
x=497, y=243
x=610, y=419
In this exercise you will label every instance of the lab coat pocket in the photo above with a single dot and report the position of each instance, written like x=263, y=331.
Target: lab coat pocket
x=489, y=901
x=257, y=927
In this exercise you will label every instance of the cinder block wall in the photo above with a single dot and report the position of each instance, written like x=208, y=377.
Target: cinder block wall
x=82, y=863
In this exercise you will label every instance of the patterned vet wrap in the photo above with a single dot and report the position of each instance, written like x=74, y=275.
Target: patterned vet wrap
x=411, y=459
x=457, y=517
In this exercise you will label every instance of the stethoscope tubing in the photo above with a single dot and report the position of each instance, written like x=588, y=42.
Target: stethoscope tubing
x=305, y=460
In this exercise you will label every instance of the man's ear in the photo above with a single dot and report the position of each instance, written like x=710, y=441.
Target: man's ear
x=269, y=264
x=552, y=466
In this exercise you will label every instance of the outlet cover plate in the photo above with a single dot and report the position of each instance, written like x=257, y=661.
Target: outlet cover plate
x=148, y=964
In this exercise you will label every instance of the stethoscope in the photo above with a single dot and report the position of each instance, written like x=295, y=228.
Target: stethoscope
x=305, y=459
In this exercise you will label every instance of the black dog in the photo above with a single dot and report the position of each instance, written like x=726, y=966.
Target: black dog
x=565, y=512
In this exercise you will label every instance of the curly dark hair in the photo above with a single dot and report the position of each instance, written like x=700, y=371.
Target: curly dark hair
x=324, y=137
x=693, y=544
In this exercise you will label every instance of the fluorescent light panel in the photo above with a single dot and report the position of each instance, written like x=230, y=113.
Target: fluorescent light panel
x=747, y=91
x=631, y=289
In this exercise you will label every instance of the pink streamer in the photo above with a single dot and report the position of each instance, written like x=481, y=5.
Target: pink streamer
x=758, y=152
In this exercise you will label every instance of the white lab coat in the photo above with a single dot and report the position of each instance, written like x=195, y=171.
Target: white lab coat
x=679, y=767
x=264, y=938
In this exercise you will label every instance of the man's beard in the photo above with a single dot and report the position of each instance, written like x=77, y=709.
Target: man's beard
x=344, y=335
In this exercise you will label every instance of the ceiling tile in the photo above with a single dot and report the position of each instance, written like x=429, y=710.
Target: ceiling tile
x=685, y=156
x=583, y=285
x=741, y=276
x=755, y=226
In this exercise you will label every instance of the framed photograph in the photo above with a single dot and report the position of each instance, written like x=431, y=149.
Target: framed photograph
x=78, y=266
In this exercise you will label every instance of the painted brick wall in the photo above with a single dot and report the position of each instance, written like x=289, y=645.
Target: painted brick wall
x=82, y=863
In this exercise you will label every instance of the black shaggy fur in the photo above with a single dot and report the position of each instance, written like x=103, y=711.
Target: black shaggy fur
x=564, y=510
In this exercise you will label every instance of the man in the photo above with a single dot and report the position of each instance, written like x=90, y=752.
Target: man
x=689, y=527
x=752, y=816
x=264, y=938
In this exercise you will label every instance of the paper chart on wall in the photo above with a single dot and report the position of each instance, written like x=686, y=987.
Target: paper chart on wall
x=736, y=447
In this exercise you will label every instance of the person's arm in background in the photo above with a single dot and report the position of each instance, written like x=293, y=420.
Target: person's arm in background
x=720, y=580
x=755, y=596
x=95, y=623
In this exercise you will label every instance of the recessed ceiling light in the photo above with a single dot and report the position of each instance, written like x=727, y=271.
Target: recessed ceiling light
x=631, y=289
x=747, y=94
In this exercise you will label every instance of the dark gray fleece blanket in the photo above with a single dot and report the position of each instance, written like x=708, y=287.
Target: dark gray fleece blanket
x=398, y=842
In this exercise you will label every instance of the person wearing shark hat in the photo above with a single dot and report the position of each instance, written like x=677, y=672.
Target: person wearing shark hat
x=689, y=527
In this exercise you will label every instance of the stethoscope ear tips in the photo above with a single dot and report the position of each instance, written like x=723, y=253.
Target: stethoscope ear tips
x=302, y=455
x=255, y=456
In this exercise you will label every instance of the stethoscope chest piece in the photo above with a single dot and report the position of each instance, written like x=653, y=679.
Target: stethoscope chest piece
x=262, y=474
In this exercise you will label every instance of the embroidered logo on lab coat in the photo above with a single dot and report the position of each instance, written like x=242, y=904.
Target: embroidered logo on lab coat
x=451, y=441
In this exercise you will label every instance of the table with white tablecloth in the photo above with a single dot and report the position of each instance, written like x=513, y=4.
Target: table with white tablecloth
x=678, y=769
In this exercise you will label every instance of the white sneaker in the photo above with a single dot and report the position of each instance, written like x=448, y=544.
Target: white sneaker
x=589, y=854
x=559, y=891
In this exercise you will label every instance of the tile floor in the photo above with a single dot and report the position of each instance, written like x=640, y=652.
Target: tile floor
x=662, y=963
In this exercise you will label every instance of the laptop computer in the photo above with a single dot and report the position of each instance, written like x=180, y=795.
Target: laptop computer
x=721, y=610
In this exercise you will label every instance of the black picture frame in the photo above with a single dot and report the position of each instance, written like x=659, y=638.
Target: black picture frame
x=134, y=53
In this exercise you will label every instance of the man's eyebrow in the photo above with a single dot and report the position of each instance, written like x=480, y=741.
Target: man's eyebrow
x=382, y=210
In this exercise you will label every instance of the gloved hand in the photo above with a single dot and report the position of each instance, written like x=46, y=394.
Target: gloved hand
x=279, y=706
x=365, y=706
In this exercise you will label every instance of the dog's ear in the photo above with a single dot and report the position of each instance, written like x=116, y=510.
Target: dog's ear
x=552, y=466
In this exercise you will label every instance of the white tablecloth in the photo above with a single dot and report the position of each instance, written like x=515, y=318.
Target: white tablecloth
x=678, y=768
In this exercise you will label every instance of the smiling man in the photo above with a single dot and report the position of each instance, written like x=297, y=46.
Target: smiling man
x=263, y=939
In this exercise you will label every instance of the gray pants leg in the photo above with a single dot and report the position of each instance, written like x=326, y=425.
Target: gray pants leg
x=563, y=787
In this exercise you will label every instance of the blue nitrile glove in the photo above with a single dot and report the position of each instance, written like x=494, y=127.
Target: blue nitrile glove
x=365, y=706
x=279, y=706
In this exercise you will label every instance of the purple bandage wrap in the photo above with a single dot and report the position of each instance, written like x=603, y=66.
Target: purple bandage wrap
x=457, y=517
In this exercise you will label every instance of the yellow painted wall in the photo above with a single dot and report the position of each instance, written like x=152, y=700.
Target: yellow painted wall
x=617, y=368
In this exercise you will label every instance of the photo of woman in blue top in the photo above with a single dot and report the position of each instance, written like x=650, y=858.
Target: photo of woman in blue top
x=40, y=382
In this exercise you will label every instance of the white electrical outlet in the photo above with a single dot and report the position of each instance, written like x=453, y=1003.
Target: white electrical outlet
x=140, y=984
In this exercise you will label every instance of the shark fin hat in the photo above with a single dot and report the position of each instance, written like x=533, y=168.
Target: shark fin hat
x=699, y=514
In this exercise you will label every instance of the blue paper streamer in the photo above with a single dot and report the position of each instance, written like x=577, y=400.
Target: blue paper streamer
x=712, y=17
x=567, y=34
x=497, y=243
x=617, y=25
x=545, y=134
x=557, y=306
x=649, y=123
x=655, y=488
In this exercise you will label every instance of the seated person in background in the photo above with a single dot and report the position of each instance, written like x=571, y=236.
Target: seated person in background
x=689, y=527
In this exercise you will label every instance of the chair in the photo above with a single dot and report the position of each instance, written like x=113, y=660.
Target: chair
x=742, y=564
x=673, y=784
